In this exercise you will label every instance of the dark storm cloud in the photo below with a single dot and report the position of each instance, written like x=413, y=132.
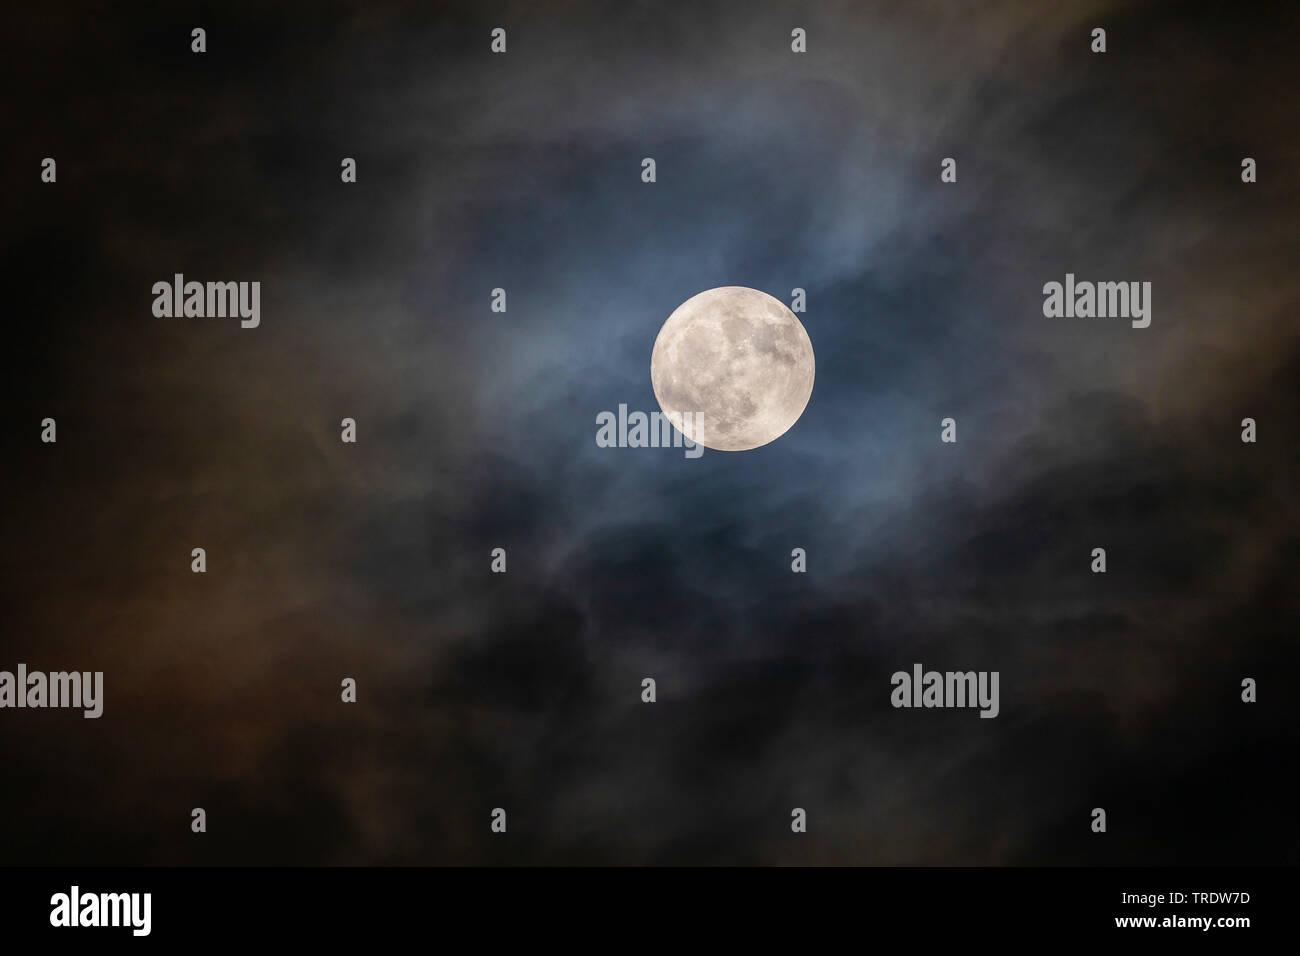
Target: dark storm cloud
x=477, y=431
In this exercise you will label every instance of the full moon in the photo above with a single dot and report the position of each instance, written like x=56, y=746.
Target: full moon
x=738, y=362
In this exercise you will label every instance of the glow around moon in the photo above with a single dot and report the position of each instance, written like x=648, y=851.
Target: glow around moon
x=739, y=361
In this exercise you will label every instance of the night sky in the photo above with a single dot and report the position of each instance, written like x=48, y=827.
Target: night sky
x=476, y=430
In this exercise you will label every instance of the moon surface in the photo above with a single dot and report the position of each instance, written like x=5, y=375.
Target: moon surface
x=739, y=362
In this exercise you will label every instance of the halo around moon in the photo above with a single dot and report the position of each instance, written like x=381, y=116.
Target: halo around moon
x=732, y=368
